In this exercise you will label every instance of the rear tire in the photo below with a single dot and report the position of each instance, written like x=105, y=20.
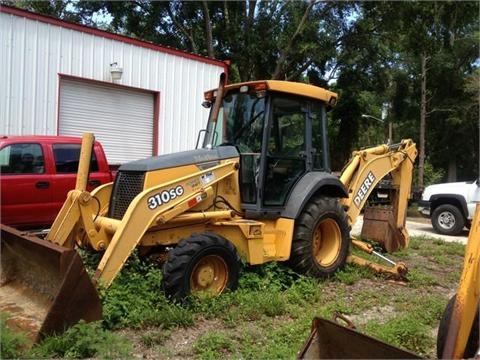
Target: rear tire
x=321, y=238
x=202, y=264
x=448, y=220
x=472, y=342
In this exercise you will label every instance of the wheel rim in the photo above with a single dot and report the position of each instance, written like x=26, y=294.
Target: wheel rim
x=446, y=220
x=209, y=276
x=327, y=239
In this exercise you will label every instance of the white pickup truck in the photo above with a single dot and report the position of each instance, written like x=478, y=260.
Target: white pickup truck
x=450, y=206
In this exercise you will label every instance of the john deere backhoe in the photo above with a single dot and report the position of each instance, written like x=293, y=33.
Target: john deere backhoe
x=258, y=188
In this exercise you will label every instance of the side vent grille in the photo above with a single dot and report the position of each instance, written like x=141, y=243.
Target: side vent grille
x=128, y=184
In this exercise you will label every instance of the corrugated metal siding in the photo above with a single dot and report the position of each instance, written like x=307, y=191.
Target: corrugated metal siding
x=121, y=119
x=34, y=53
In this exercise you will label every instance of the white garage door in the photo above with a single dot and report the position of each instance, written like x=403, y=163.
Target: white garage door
x=121, y=119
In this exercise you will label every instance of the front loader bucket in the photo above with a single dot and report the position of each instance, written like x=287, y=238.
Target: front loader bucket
x=44, y=288
x=379, y=225
x=329, y=340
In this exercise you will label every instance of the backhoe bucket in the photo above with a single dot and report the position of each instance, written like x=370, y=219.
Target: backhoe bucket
x=329, y=340
x=379, y=225
x=44, y=288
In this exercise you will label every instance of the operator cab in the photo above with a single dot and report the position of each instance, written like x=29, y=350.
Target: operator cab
x=280, y=130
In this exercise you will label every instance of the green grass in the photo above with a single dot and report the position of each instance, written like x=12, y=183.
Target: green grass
x=84, y=341
x=12, y=344
x=270, y=314
x=404, y=331
x=213, y=345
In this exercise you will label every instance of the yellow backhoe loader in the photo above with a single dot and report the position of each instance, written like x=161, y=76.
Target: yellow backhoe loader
x=458, y=334
x=257, y=188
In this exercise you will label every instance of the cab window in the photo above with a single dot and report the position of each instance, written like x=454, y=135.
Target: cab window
x=67, y=157
x=286, y=155
x=25, y=158
x=241, y=123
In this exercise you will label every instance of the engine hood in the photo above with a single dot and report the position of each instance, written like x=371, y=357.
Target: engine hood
x=196, y=156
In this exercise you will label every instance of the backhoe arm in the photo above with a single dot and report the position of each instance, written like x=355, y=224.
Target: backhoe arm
x=385, y=225
x=369, y=166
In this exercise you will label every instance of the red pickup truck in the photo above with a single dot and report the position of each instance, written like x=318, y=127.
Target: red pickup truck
x=36, y=174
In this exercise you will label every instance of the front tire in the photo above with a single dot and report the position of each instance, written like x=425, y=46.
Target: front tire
x=472, y=342
x=321, y=238
x=202, y=264
x=448, y=220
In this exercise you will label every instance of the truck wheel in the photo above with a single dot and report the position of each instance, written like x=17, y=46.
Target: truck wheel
x=202, y=264
x=321, y=238
x=472, y=342
x=448, y=220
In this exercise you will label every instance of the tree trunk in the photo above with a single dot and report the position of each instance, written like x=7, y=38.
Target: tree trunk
x=423, y=118
x=279, y=73
x=208, y=30
x=452, y=170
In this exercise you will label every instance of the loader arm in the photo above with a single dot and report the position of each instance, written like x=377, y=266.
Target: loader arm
x=61, y=232
x=119, y=237
x=368, y=167
x=145, y=210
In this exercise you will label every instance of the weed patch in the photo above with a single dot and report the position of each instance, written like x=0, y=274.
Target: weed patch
x=84, y=341
x=406, y=331
x=213, y=345
x=269, y=316
x=12, y=344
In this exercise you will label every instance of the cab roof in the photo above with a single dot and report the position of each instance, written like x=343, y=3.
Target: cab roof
x=289, y=87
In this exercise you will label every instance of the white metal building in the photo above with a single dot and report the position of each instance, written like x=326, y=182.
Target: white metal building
x=56, y=78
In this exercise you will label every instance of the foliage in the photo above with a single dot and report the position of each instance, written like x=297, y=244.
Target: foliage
x=351, y=274
x=84, y=341
x=369, y=52
x=12, y=344
x=135, y=299
x=269, y=316
x=271, y=275
x=213, y=344
x=405, y=332
x=431, y=175
x=410, y=329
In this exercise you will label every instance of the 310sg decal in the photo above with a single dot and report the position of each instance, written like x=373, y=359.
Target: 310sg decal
x=164, y=197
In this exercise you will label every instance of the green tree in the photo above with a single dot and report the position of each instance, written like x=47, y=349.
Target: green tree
x=274, y=39
x=419, y=58
x=430, y=49
x=59, y=9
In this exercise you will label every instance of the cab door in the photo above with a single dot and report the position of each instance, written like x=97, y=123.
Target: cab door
x=296, y=145
x=286, y=153
x=26, y=185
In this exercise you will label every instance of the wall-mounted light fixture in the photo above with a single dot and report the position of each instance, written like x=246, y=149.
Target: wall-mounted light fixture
x=115, y=71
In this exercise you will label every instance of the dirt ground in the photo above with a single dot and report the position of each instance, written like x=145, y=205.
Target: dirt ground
x=179, y=343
